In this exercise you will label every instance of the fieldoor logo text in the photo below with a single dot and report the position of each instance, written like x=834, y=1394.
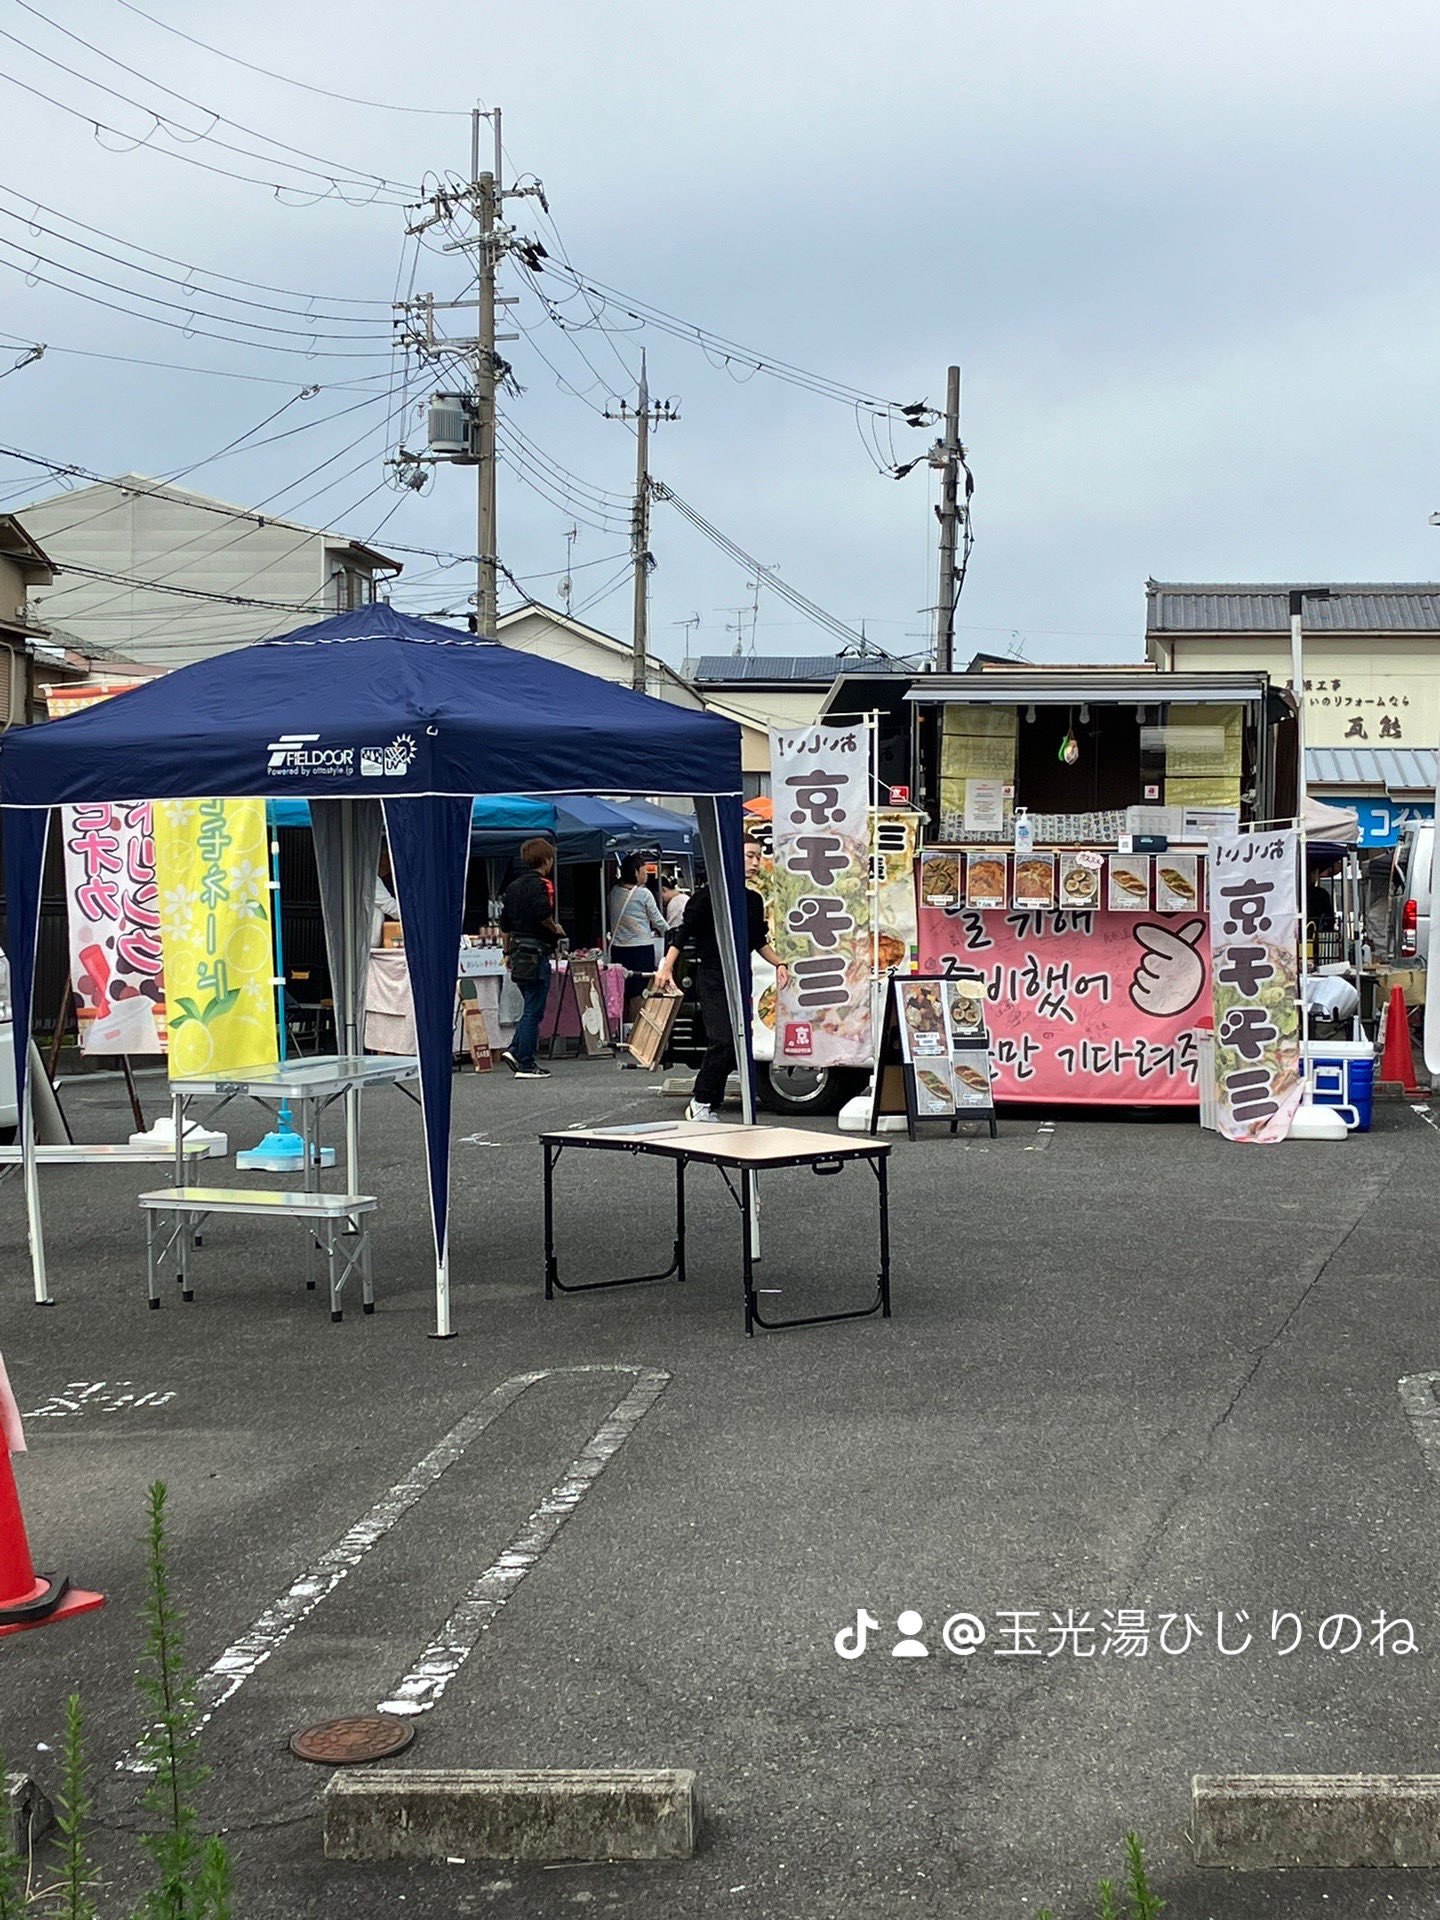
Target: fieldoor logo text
x=300, y=755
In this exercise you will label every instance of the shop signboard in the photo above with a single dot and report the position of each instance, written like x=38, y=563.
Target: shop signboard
x=1082, y=1007
x=1382, y=822
x=1255, y=921
x=117, y=972
x=214, y=880
x=820, y=894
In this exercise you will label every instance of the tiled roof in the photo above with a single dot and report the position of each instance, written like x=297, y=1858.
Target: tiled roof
x=1242, y=608
x=1355, y=769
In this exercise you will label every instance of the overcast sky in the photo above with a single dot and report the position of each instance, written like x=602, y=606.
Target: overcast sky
x=1183, y=257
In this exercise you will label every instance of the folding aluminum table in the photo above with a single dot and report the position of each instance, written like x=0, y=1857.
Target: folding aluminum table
x=745, y=1151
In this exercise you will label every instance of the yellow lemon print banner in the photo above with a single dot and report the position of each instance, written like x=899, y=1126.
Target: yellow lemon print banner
x=216, y=930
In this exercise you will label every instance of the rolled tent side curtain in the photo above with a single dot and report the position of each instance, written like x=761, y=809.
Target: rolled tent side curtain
x=26, y=830
x=347, y=860
x=429, y=853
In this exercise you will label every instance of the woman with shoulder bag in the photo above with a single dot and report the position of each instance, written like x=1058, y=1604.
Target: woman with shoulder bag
x=636, y=923
x=532, y=933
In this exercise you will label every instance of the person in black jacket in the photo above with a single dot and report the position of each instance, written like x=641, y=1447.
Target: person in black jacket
x=697, y=928
x=532, y=933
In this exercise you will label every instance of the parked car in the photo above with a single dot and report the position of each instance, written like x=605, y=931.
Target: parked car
x=789, y=1087
x=1410, y=886
x=9, y=1111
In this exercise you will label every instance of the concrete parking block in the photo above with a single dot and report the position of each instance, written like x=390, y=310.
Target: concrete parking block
x=1265, y=1820
x=617, y=1813
x=28, y=1814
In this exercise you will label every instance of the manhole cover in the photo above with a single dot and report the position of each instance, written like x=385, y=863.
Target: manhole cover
x=356, y=1738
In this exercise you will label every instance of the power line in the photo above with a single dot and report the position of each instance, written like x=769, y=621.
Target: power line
x=792, y=595
x=331, y=173
x=173, y=260
x=68, y=469
x=177, y=306
x=382, y=106
x=134, y=143
x=176, y=326
x=170, y=279
x=648, y=314
x=179, y=366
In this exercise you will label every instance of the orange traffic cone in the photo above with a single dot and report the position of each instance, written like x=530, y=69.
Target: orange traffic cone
x=27, y=1598
x=1397, y=1063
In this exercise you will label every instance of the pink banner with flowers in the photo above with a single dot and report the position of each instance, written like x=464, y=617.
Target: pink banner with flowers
x=1083, y=1008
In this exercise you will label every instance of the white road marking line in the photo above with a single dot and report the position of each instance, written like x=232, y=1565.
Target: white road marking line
x=427, y=1680
x=1044, y=1134
x=1418, y=1106
x=96, y=1396
x=1420, y=1397
x=226, y=1675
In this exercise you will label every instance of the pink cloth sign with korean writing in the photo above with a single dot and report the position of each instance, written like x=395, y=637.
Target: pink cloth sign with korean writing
x=1083, y=1008
x=117, y=974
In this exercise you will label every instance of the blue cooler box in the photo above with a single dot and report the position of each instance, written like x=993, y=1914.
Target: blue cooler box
x=1343, y=1072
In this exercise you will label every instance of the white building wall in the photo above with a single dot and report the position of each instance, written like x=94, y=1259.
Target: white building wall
x=169, y=539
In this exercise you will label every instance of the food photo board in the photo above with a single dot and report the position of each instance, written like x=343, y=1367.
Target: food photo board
x=933, y=1060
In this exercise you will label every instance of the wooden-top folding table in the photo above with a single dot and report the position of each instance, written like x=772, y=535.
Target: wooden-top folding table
x=743, y=1152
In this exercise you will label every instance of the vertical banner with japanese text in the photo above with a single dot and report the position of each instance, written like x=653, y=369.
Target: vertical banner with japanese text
x=1255, y=936
x=820, y=894
x=211, y=864
x=117, y=973
x=894, y=849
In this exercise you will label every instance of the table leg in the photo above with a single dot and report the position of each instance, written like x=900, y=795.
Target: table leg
x=177, y=1115
x=189, y=1223
x=680, y=1220
x=331, y=1232
x=150, y=1272
x=550, y=1267
x=749, y=1256
x=882, y=1174
x=367, y=1279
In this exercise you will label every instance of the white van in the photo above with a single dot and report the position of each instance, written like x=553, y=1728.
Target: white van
x=1410, y=886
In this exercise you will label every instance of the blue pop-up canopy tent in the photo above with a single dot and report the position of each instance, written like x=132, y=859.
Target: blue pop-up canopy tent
x=371, y=716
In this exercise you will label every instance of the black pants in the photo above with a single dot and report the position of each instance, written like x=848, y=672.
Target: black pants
x=719, y=1062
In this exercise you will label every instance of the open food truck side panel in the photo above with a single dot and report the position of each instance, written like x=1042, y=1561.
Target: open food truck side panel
x=1065, y=860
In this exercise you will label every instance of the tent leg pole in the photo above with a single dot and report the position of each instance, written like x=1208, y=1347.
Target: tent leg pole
x=33, y=1222
x=443, y=1328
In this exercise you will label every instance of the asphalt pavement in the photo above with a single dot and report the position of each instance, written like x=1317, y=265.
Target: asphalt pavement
x=1132, y=1371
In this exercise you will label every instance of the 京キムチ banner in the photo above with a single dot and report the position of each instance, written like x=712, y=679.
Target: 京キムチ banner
x=819, y=894
x=1255, y=929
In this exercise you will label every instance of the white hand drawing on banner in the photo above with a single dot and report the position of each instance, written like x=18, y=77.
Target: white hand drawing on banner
x=1171, y=974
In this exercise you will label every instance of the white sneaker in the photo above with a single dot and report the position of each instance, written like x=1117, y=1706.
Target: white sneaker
x=697, y=1110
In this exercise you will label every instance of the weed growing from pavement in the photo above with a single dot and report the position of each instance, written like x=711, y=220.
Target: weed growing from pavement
x=192, y=1870
x=1142, y=1902
x=73, y=1805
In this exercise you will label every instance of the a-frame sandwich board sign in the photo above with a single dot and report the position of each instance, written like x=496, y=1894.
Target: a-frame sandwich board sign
x=933, y=1060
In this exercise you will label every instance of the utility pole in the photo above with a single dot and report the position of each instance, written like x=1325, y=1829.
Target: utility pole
x=485, y=188
x=642, y=414
x=946, y=455
x=462, y=425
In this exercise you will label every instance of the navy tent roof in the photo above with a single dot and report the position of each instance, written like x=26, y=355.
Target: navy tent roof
x=377, y=705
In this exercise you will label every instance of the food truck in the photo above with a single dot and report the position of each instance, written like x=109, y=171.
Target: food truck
x=1066, y=818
